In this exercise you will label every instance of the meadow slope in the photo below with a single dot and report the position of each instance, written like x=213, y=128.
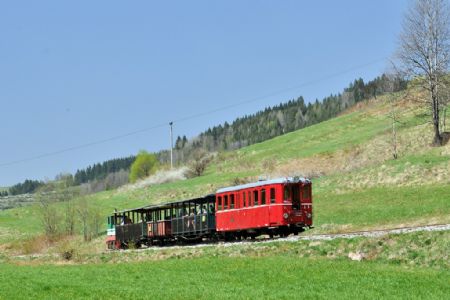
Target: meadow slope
x=357, y=184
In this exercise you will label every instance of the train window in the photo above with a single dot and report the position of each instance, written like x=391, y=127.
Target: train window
x=263, y=196
x=249, y=198
x=255, y=198
x=306, y=192
x=296, y=196
x=244, y=200
x=272, y=195
x=219, y=203
x=231, y=201
x=287, y=193
x=225, y=202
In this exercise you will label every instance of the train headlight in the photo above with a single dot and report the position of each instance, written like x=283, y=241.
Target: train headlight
x=309, y=215
x=285, y=215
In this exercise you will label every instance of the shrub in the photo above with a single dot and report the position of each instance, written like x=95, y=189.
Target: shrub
x=198, y=164
x=144, y=165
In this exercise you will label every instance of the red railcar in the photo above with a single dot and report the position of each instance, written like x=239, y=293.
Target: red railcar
x=279, y=206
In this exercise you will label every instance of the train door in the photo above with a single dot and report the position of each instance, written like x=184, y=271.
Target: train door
x=265, y=208
x=274, y=210
x=295, y=188
x=306, y=203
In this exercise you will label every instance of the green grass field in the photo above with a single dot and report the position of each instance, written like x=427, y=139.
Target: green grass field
x=275, y=277
x=384, y=207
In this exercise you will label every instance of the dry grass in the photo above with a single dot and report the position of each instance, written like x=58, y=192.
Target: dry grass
x=37, y=244
x=369, y=164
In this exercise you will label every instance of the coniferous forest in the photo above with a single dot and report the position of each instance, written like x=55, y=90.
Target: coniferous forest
x=101, y=170
x=280, y=119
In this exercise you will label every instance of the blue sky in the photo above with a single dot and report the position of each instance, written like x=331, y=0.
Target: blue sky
x=77, y=72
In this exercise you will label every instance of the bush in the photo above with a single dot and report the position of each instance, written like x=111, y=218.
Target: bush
x=67, y=254
x=145, y=165
x=198, y=164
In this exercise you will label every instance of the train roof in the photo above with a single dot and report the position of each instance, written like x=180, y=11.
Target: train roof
x=163, y=205
x=282, y=180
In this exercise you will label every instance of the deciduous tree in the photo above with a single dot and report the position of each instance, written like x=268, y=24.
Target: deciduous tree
x=424, y=53
x=144, y=165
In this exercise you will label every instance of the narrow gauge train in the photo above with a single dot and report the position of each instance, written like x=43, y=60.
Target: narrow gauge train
x=274, y=207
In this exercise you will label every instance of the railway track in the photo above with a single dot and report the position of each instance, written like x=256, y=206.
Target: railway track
x=371, y=233
x=315, y=237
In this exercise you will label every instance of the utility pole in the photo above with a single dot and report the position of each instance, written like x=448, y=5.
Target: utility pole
x=171, y=145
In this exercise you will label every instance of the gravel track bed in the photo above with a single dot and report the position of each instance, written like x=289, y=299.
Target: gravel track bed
x=314, y=237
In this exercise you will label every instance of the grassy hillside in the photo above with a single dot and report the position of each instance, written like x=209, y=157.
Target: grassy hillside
x=356, y=183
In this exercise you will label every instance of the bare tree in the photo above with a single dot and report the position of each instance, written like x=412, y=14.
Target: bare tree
x=424, y=52
x=50, y=218
x=90, y=218
x=83, y=213
x=95, y=221
x=66, y=193
x=69, y=217
x=394, y=120
x=199, y=163
x=390, y=85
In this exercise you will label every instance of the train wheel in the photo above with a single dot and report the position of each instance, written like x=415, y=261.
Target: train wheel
x=117, y=245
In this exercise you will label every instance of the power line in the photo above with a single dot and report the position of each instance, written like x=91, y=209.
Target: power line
x=83, y=145
x=281, y=91
x=194, y=116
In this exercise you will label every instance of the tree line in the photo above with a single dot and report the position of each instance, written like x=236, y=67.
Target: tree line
x=104, y=175
x=279, y=119
x=102, y=170
x=26, y=187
